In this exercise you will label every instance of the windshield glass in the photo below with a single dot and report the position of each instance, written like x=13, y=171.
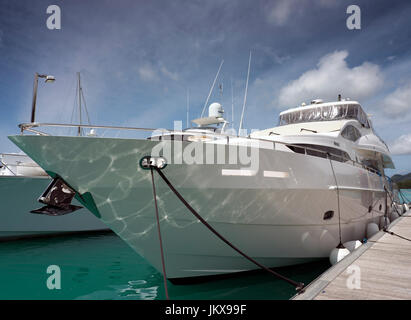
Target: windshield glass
x=325, y=113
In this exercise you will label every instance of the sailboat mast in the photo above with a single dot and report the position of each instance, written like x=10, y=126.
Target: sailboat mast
x=232, y=104
x=79, y=102
x=188, y=106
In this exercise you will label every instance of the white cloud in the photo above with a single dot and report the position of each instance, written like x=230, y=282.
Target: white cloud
x=169, y=74
x=332, y=77
x=284, y=10
x=147, y=73
x=401, y=145
x=398, y=103
x=280, y=12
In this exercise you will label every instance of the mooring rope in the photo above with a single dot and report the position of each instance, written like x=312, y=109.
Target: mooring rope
x=298, y=285
x=5, y=165
x=385, y=229
x=392, y=201
x=394, y=234
x=386, y=209
x=159, y=235
x=340, y=245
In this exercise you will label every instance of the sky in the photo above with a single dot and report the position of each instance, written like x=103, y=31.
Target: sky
x=139, y=60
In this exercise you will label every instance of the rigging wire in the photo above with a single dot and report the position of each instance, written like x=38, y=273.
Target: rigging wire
x=212, y=87
x=240, y=127
x=85, y=106
x=74, y=106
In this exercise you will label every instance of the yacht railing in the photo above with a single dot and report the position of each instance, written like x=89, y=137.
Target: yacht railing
x=11, y=167
x=29, y=127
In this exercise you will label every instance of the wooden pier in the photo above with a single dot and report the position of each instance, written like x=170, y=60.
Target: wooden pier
x=382, y=268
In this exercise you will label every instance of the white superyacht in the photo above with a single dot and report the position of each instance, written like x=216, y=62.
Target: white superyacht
x=298, y=190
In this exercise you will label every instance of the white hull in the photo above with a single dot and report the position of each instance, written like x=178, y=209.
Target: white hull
x=18, y=196
x=276, y=220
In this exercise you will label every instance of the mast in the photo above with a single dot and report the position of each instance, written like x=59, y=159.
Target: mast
x=232, y=104
x=245, y=95
x=188, y=106
x=79, y=102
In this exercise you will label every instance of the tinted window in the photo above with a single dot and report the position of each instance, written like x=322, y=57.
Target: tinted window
x=325, y=113
x=178, y=137
x=351, y=133
x=321, y=151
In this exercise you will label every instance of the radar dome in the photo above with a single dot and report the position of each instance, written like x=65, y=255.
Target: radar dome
x=215, y=110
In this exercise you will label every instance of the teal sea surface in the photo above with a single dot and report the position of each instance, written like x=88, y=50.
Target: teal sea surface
x=102, y=266
x=406, y=195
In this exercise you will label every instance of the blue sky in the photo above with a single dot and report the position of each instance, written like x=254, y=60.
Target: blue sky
x=139, y=58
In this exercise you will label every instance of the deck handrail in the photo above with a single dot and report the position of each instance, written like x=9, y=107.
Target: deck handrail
x=29, y=127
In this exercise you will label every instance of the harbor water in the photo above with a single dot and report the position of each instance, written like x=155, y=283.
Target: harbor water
x=102, y=266
x=406, y=195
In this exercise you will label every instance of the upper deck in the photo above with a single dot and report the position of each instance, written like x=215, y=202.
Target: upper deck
x=330, y=111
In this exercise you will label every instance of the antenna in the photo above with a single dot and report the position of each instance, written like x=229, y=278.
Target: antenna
x=232, y=104
x=245, y=95
x=211, y=89
x=188, y=105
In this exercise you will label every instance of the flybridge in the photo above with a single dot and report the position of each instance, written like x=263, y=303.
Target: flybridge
x=338, y=110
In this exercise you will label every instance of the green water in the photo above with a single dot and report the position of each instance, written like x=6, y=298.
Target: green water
x=104, y=267
x=406, y=195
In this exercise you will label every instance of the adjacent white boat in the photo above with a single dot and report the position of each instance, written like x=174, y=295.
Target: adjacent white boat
x=279, y=202
x=21, y=183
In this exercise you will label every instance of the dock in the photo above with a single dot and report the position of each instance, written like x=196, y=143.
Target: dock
x=378, y=270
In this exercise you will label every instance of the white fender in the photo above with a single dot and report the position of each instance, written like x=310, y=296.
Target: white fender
x=352, y=245
x=372, y=228
x=337, y=254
